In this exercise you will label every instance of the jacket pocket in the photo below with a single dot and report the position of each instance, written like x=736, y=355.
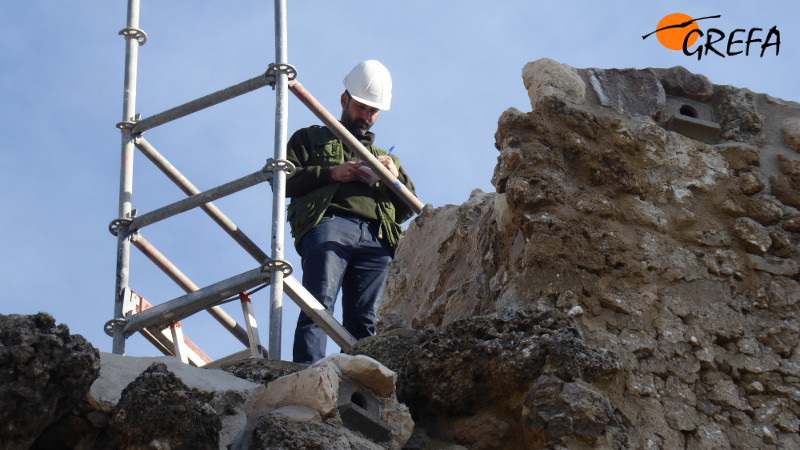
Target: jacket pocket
x=326, y=154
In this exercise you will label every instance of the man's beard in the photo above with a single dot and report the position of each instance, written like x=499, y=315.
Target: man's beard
x=359, y=127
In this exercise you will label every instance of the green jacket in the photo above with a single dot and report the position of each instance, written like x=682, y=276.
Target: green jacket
x=314, y=151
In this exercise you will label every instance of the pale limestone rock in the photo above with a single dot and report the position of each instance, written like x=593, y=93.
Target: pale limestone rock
x=545, y=77
x=365, y=371
x=754, y=236
x=398, y=416
x=791, y=132
x=503, y=213
x=316, y=388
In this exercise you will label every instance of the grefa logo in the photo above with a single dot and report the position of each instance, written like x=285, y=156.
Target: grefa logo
x=680, y=32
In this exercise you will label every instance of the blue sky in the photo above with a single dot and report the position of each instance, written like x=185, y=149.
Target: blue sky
x=455, y=64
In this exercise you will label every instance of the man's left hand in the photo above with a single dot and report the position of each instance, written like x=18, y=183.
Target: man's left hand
x=388, y=162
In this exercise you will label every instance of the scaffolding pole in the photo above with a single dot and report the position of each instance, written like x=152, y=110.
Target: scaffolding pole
x=279, y=180
x=133, y=39
x=189, y=189
x=188, y=286
x=178, y=308
x=200, y=199
x=203, y=102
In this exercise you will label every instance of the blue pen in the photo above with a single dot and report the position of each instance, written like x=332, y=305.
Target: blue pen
x=391, y=149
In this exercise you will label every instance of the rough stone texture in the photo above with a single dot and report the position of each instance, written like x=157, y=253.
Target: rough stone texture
x=390, y=348
x=262, y=371
x=44, y=372
x=677, y=256
x=545, y=77
x=297, y=427
x=791, y=132
x=571, y=411
x=788, y=166
x=157, y=410
x=481, y=360
x=316, y=388
x=228, y=393
x=680, y=82
x=741, y=120
x=630, y=90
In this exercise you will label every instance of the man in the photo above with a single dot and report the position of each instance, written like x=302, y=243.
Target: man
x=345, y=229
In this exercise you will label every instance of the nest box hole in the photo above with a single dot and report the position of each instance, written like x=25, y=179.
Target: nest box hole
x=358, y=399
x=687, y=110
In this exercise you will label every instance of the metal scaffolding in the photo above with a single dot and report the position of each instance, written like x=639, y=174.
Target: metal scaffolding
x=160, y=324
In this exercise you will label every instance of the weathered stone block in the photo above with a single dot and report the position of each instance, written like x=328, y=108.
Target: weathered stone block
x=632, y=91
x=791, y=132
x=788, y=166
x=545, y=77
x=680, y=82
x=754, y=236
x=366, y=372
x=740, y=119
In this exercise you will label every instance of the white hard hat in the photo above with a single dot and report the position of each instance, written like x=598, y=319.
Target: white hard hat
x=370, y=83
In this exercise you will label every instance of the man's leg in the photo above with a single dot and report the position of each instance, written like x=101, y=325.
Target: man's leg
x=325, y=252
x=364, y=283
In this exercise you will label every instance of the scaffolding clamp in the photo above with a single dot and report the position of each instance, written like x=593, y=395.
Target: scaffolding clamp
x=134, y=33
x=117, y=224
x=277, y=264
x=279, y=164
x=274, y=69
x=113, y=324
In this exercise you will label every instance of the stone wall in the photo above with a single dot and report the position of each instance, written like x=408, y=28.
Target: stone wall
x=660, y=213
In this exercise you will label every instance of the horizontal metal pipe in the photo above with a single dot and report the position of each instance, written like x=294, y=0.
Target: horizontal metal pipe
x=203, y=102
x=187, y=285
x=348, y=139
x=186, y=305
x=199, y=199
x=189, y=189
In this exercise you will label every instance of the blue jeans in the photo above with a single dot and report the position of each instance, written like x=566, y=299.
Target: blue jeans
x=341, y=252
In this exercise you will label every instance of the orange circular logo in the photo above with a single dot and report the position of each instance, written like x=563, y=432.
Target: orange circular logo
x=672, y=31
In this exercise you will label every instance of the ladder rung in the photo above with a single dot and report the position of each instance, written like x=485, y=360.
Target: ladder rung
x=186, y=305
x=203, y=103
x=200, y=199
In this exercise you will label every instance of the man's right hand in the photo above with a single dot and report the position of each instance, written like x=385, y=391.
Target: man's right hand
x=347, y=172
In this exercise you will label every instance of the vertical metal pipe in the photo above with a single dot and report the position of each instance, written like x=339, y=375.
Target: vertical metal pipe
x=126, y=173
x=279, y=181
